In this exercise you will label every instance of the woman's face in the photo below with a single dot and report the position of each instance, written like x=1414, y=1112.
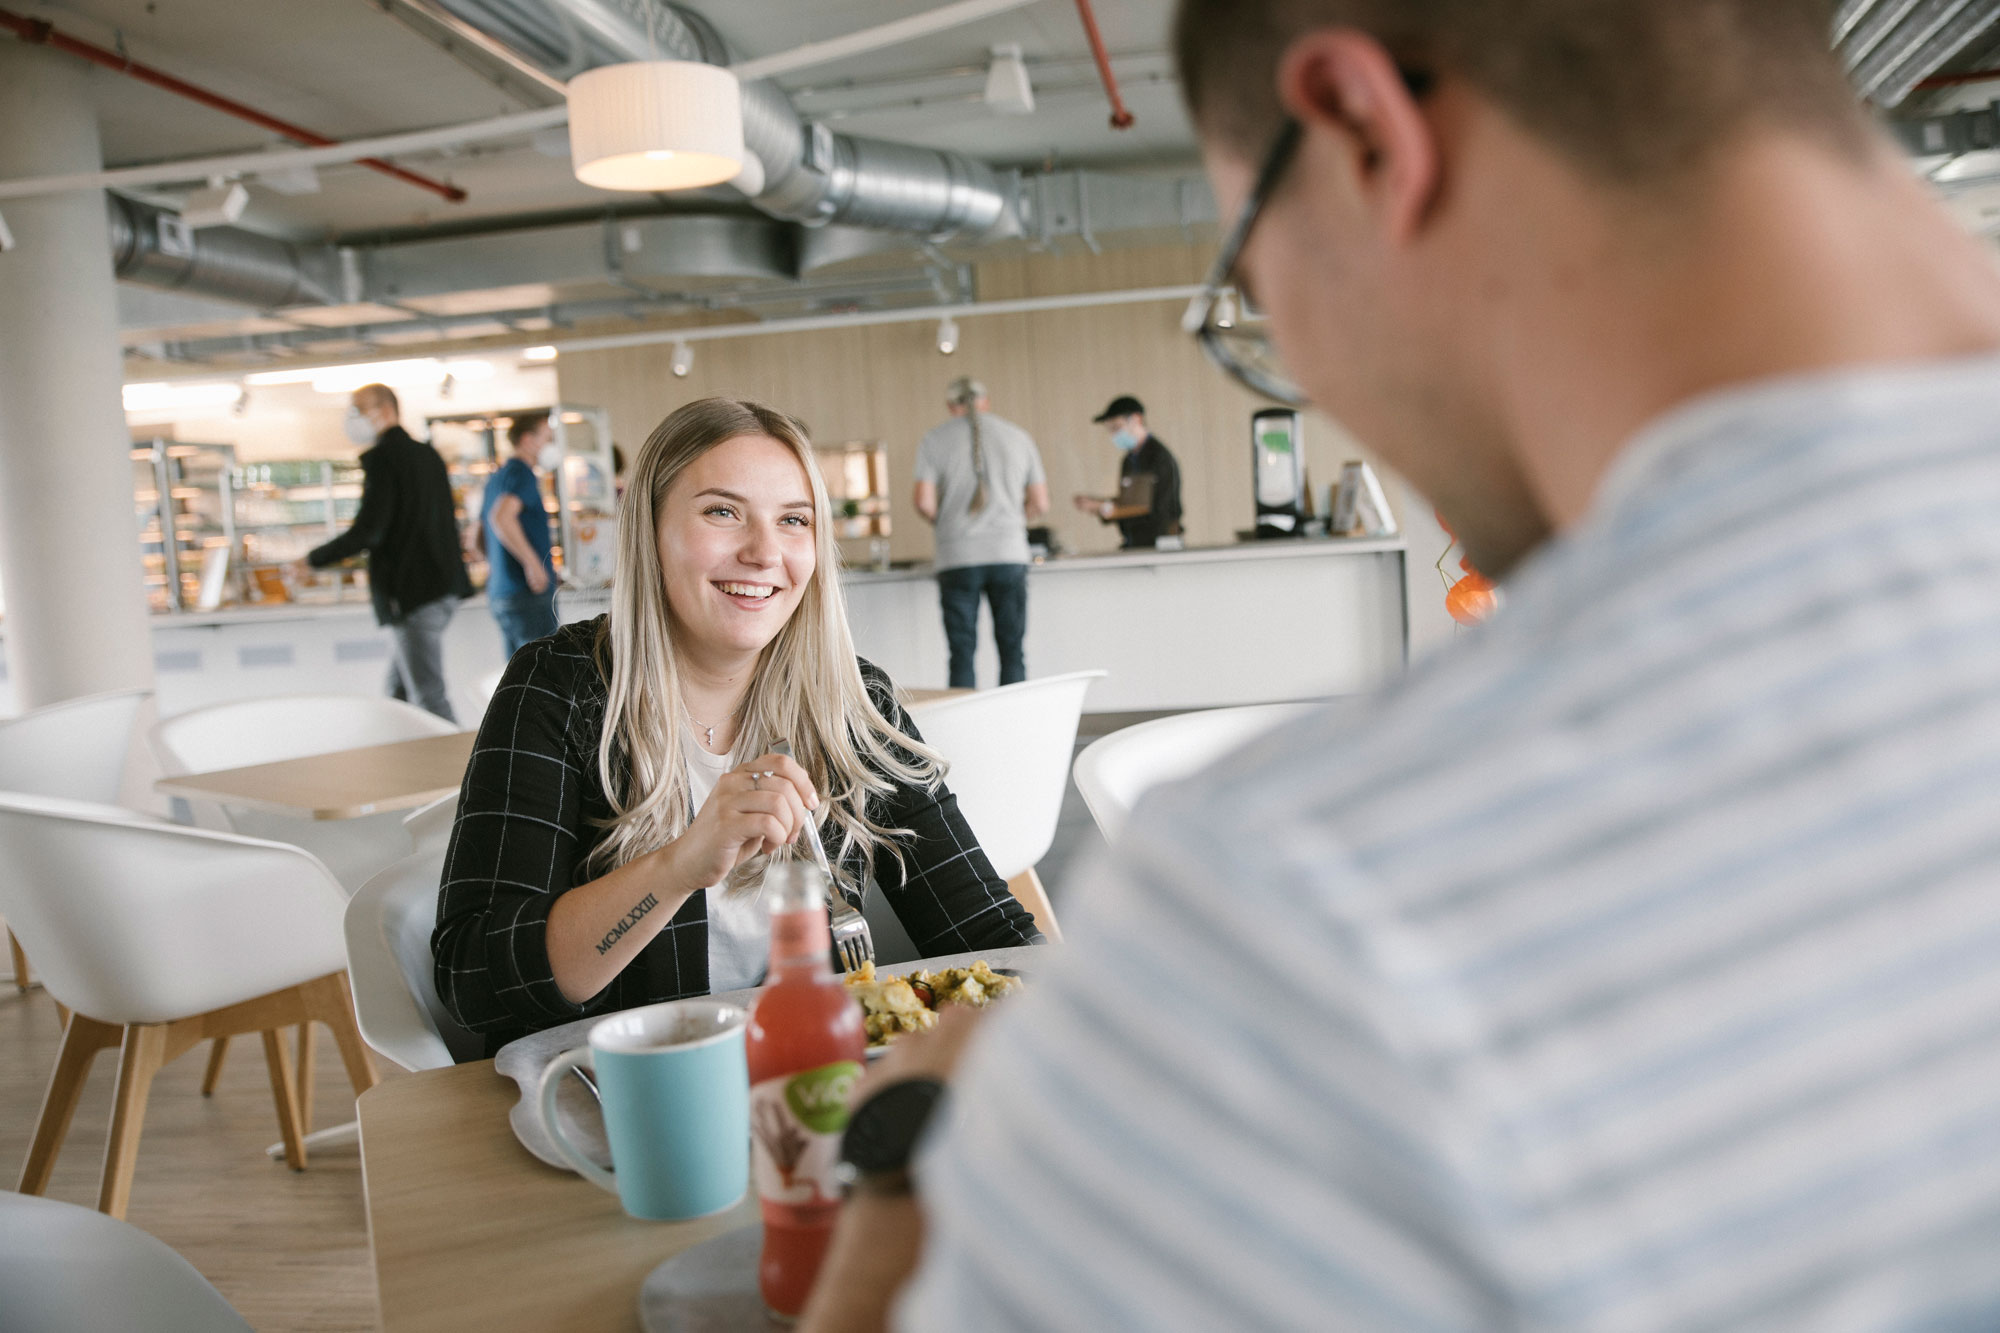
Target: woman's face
x=737, y=545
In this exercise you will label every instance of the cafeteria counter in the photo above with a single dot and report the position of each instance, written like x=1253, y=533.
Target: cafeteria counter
x=1256, y=622
x=1198, y=628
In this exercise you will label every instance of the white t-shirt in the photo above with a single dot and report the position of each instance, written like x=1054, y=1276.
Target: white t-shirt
x=739, y=925
x=998, y=533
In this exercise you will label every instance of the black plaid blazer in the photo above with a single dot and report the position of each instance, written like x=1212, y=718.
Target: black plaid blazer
x=530, y=814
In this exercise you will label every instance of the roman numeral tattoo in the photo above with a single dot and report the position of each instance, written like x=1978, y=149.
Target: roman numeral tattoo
x=625, y=923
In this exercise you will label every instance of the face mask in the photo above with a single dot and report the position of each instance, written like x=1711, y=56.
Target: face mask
x=359, y=428
x=1125, y=440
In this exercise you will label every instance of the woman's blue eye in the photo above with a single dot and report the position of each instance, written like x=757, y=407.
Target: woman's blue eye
x=800, y=519
x=719, y=509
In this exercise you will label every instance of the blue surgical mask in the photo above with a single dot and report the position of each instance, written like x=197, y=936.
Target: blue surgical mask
x=1125, y=440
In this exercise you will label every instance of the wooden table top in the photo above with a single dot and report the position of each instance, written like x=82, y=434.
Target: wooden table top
x=346, y=784
x=470, y=1231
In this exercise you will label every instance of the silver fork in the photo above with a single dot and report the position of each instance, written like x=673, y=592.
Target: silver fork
x=852, y=944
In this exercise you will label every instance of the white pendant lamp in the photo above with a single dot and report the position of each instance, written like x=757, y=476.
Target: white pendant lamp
x=655, y=125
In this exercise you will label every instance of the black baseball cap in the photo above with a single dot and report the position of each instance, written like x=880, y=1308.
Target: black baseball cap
x=1124, y=405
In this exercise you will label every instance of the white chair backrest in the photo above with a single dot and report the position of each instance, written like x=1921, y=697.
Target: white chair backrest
x=1112, y=773
x=1009, y=751
x=429, y=826
x=483, y=688
x=67, y=1267
x=290, y=726
x=133, y=921
x=388, y=927
x=75, y=749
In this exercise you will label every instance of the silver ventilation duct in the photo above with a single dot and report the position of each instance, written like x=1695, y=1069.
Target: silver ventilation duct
x=1890, y=46
x=808, y=175
x=154, y=247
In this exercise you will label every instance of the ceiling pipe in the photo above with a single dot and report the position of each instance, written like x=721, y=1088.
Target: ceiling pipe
x=251, y=164
x=40, y=32
x=1121, y=119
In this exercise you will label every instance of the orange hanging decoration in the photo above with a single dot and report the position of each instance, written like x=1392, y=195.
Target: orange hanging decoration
x=1471, y=599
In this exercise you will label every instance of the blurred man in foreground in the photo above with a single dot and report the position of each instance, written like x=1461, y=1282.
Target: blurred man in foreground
x=1635, y=965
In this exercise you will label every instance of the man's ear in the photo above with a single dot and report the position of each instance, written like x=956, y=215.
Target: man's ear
x=1342, y=83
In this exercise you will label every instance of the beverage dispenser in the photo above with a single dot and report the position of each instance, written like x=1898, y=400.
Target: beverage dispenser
x=1278, y=472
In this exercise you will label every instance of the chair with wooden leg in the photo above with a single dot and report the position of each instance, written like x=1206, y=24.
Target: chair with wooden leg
x=158, y=937
x=77, y=750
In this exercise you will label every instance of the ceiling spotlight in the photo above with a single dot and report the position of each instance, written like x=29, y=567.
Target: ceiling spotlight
x=1225, y=308
x=1008, y=92
x=242, y=403
x=217, y=206
x=947, y=335
x=538, y=354
x=683, y=358
x=446, y=385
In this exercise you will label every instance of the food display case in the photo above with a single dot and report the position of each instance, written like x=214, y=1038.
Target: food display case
x=283, y=510
x=857, y=486
x=184, y=504
x=580, y=497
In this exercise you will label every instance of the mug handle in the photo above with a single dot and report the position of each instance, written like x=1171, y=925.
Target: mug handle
x=558, y=1069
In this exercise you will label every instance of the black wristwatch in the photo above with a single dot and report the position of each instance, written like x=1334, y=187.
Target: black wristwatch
x=881, y=1134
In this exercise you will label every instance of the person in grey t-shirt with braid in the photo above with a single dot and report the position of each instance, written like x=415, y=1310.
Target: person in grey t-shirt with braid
x=980, y=482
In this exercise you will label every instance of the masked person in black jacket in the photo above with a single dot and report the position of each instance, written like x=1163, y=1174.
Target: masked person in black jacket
x=408, y=526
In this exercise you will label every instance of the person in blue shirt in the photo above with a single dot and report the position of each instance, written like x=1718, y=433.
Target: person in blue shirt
x=521, y=578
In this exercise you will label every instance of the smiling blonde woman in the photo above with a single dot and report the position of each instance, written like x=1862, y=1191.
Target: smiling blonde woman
x=622, y=798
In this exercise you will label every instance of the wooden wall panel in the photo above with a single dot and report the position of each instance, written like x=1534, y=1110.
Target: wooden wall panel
x=1050, y=372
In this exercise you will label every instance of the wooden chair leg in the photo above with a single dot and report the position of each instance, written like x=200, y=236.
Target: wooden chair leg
x=307, y=1052
x=21, y=978
x=83, y=1038
x=284, y=1091
x=333, y=1005
x=1027, y=888
x=216, y=1050
x=62, y=1014
x=144, y=1053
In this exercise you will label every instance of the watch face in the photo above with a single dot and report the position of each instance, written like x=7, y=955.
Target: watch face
x=885, y=1128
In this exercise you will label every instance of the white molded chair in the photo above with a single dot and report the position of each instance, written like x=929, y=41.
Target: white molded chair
x=1112, y=773
x=388, y=927
x=65, y=1268
x=158, y=937
x=429, y=826
x=263, y=731
x=1009, y=751
x=76, y=750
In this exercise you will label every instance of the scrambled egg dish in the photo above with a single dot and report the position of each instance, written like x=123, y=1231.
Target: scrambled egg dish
x=909, y=1004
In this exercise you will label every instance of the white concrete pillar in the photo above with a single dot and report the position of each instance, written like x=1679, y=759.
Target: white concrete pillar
x=76, y=619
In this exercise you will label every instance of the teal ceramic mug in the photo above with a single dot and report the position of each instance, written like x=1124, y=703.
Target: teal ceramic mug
x=676, y=1096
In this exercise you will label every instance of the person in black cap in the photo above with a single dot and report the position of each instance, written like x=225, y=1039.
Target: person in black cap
x=1148, y=504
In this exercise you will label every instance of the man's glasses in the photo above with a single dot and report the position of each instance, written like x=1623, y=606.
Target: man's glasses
x=1234, y=336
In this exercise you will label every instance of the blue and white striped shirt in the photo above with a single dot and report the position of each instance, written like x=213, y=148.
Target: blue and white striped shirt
x=1634, y=966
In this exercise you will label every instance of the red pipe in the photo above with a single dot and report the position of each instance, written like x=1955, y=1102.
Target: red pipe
x=1121, y=119
x=1953, y=80
x=40, y=32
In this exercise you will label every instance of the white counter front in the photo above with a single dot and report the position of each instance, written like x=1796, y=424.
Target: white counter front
x=1186, y=629
x=1256, y=623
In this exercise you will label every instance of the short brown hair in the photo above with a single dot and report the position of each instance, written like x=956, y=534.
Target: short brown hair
x=1629, y=90
x=524, y=424
x=371, y=396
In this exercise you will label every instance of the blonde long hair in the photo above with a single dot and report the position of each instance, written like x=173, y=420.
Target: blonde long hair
x=807, y=687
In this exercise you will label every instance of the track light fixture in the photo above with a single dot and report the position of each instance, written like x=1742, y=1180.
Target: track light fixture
x=683, y=358
x=947, y=335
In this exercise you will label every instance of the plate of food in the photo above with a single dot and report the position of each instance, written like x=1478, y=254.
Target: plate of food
x=894, y=1005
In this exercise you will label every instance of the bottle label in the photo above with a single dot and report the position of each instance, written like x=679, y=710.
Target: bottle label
x=795, y=1126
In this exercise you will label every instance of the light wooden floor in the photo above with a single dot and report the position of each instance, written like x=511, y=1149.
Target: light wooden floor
x=288, y=1249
